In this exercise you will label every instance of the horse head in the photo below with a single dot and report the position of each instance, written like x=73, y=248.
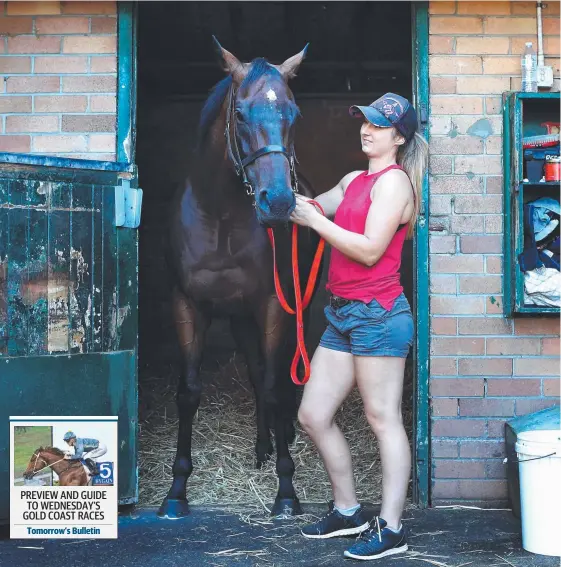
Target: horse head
x=36, y=463
x=260, y=122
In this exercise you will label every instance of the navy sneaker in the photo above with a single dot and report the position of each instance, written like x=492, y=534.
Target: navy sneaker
x=334, y=524
x=378, y=541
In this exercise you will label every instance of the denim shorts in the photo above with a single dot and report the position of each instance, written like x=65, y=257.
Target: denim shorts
x=367, y=329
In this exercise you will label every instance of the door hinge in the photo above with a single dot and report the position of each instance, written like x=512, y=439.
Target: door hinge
x=128, y=205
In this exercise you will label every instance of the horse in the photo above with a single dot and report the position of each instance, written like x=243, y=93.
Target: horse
x=70, y=473
x=243, y=180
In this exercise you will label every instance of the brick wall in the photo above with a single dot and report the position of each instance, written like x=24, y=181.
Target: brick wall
x=58, y=62
x=484, y=368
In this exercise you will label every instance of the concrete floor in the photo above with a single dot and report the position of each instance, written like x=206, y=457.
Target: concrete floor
x=442, y=537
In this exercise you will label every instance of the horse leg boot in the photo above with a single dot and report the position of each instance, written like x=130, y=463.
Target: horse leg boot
x=246, y=334
x=191, y=327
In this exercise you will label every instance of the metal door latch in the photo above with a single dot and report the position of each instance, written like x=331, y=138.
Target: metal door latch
x=128, y=204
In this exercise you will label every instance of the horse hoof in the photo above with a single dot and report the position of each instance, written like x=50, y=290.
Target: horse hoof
x=172, y=509
x=286, y=508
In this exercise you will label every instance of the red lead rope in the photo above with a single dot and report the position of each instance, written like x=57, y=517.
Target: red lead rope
x=301, y=303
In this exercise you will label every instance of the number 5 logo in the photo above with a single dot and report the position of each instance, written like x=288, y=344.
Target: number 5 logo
x=105, y=470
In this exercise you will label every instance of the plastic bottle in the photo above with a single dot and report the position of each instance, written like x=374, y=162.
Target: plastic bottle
x=529, y=70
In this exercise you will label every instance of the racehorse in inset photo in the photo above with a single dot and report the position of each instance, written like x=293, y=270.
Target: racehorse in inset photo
x=70, y=473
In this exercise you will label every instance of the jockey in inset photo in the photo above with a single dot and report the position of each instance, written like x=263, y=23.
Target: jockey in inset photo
x=86, y=449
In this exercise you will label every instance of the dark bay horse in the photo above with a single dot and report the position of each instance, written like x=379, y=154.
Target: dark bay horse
x=70, y=473
x=243, y=179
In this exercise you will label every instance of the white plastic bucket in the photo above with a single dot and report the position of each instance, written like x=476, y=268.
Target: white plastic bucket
x=539, y=457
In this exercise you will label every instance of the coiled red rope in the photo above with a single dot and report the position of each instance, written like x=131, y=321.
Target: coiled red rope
x=301, y=302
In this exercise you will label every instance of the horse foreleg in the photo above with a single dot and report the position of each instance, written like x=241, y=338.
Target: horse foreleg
x=246, y=334
x=191, y=326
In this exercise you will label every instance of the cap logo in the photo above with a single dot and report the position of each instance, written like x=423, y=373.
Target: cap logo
x=391, y=108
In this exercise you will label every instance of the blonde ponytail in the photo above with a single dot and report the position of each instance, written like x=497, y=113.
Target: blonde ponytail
x=413, y=157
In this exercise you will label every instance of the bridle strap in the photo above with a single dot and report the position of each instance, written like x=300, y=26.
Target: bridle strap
x=265, y=150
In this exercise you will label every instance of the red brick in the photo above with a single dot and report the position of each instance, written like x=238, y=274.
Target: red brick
x=479, y=204
x=446, y=449
x=17, y=144
x=462, y=427
x=103, y=64
x=481, y=84
x=455, y=65
x=55, y=144
x=457, y=264
x=485, y=366
x=89, y=8
x=460, y=224
x=461, y=345
x=15, y=26
x=33, y=85
x=444, y=325
x=479, y=244
x=458, y=469
x=11, y=65
x=481, y=449
x=61, y=26
x=61, y=64
x=550, y=44
x=457, y=305
x=493, y=264
x=33, y=44
x=470, y=489
x=442, y=244
x=32, y=124
x=494, y=305
x=86, y=84
x=536, y=366
x=443, y=85
x=440, y=164
x=443, y=366
x=530, y=405
x=486, y=407
x=457, y=387
x=494, y=184
x=442, y=104
x=454, y=25
x=551, y=387
x=495, y=469
x=550, y=346
x=63, y=103
x=443, y=284
x=104, y=25
x=441, y=44
x=494, y=145
x=484, y=326
x=441, y=7
x=16, y=8
x=510, y=26
x=538, y=326
x=88, y=123
x=457, y=145
x=513, y=387
x=478, y=164
x=524, y=8
x=551, y=26
x=496, y=428
x=10, y=104
x=103, y=103
x=102, y=143
x=90, y=44
x=494, y=224
x=481, y=284
x=456, y=184
x=439, y=223
x=484, y=8
x=494, y=65
x=513, y=346
x=493, y=105
x=444, y=407
x=482, y=45
x=441, y=204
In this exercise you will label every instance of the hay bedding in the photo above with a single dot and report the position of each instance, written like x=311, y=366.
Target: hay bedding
x=224, y=435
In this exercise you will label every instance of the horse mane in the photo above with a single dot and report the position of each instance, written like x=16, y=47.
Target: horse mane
x=55, y=450
x=260, y=67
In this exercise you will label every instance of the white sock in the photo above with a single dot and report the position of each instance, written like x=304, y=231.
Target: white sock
x=347, y=511
x=395, y=531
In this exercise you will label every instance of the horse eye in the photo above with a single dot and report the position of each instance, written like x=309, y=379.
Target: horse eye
x=239, y=116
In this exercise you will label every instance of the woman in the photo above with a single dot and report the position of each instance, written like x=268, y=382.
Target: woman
x=370, y=327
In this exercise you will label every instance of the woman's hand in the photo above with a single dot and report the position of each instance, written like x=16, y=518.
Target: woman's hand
x=304, y=212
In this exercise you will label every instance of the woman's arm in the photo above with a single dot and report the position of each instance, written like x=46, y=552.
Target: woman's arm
x=330, y=200
x=389, y=201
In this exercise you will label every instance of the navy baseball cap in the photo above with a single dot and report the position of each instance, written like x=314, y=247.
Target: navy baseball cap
x=387, y=111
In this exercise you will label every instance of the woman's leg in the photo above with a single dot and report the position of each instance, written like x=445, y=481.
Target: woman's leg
x=331, y=381
x=380, y=381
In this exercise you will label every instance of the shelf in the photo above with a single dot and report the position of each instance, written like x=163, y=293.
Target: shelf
x=539, y=184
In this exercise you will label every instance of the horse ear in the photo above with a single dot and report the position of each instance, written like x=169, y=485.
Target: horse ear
x=230, y=63
x=290, y=66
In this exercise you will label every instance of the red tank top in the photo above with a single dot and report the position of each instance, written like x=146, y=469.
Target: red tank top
x=353, y=280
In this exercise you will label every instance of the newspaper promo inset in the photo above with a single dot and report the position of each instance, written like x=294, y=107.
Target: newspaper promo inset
x=63, y=477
